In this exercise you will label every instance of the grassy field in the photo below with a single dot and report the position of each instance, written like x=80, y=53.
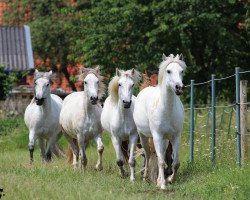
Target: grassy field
x=57, y=180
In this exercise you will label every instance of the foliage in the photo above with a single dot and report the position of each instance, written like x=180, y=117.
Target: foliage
x=7, y=82
x=212, y=35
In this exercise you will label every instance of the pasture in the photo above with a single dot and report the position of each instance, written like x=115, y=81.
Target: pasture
x=58, y=180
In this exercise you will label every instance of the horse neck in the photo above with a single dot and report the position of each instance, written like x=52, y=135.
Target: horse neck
x=123, y=112
x=168, y=99
x=47, y=104
x=87, y=106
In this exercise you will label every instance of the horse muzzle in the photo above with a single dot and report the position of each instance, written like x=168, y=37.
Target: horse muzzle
x=93, y=100
x=179, y=90
x=39, y=102
x=127, y=104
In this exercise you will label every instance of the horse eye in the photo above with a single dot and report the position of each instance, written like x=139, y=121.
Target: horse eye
x=168, y=71
x=35, y=83
x=119, y=85
x=133, y=85
x=48, y=85
x=182, y=71
x=85, y=82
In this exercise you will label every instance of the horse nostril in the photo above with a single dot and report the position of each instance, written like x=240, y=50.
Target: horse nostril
x=93, y=98
x=177, y=87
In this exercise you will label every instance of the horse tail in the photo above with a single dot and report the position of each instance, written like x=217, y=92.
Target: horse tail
x=153, y=162
x=70, y=152
x=125, y=151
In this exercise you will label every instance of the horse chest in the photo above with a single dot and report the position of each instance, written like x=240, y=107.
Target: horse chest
x=88, y=125
x=123, y=126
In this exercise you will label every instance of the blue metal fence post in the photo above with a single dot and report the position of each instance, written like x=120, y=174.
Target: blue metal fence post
x=237, y=100
x=213, y=117
x=192, y=122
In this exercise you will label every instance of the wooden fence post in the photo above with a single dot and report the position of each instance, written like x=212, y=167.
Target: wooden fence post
x=243, y=119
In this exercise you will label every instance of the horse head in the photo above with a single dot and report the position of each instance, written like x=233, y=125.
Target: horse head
x=92, y=83
x=126, y=82
x=172, y=70
x=42, y=81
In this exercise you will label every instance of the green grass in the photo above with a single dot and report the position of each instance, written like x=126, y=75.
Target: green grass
x=57, y=180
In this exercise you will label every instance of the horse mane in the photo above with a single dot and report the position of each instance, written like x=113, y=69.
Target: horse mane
x=48, y=75
x=83, y=72
x=166, y=61
x=113, y=84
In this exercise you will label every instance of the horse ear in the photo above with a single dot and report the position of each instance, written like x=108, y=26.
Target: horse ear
x=182, y=57
x=118, y=73
x=37, y=74
x=164, y=57
x=132, y=71
x=97, y=69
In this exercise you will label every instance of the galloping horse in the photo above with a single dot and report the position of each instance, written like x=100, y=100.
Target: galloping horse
x=42, y=116
x=117, y=116
x=159, y=114
x=80, y=116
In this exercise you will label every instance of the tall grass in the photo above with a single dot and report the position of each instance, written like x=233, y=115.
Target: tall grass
x=57, y=180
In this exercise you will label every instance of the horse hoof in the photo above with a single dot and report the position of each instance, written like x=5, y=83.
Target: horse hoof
x=163, y=187
x=170, y=179
x=124, y=174
x=132, y=179
x=99, y=167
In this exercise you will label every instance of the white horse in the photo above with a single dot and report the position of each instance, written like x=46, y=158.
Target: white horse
x=80, y=116
x=159, y=114
x=42, y=116
x=117, y=116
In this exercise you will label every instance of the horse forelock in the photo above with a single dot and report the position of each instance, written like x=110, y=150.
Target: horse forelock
x=83, y=72
x=164, y=64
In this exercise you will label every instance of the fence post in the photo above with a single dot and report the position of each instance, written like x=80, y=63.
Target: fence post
x=243, y=119
x=213, y=117
x=191, y=132
x=230, y=120
x=237, y=101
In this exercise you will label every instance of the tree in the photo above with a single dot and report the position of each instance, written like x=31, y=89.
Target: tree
x=6, y=83
x=50, y=23
x=212, y=35
x=135, y=33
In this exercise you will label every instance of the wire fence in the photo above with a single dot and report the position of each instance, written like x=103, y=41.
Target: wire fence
x=219, y=125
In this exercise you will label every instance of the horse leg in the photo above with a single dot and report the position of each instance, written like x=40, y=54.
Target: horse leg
x=132, y=145
x=176, y=158
x=100, y=149
x=57, y=151
x=160, y=148
x=169, y=160
x=41, y=147
x=145, y=146
x=119, y=156
x=32, y=139
x=82, y=153
x=50, y=146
